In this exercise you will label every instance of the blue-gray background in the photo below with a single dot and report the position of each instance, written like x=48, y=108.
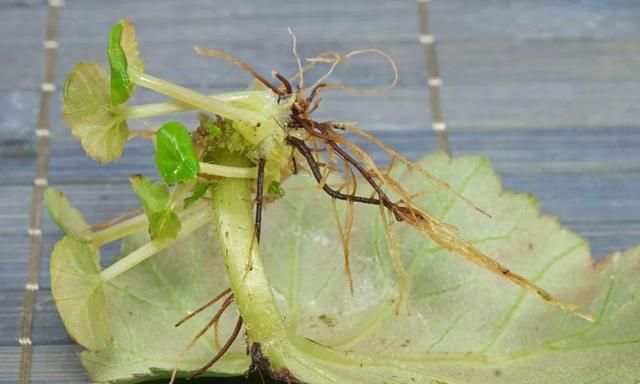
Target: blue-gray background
x=549, y=90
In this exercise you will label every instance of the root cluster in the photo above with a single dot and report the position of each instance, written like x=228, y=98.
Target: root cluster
x=326, y=150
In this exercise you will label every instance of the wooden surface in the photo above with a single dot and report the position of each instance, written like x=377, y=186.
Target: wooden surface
x=548, y=90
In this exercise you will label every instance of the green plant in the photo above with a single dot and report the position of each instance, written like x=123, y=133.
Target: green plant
x=401, y=311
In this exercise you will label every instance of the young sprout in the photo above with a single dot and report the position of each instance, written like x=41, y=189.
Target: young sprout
x=158, y=204
x=95, y=102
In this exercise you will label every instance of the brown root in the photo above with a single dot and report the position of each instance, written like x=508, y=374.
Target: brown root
x=395, y=156
x=225, y=348
x=370, y=90
x=214, y=320
x=404, y=210
x=294, y=50
x=393, y=246
x=260, y=363
x=345, y=236
x=323, y=59
x=257, y=227
x=217, y=298
x=315, y=142
x=236, y=61
x=447, y=237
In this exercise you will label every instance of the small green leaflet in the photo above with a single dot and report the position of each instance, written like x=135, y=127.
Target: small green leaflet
x=68, y=218
x=175, y=157
x=121, y=86
x=213, y=130
x=209, y=124
x=156, y=202
x=153, y=196
x=122, y=52
x=275, y=189
x=90, y=115
x=164, y=225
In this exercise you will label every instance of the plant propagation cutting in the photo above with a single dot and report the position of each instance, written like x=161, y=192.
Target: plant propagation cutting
x=249, y=292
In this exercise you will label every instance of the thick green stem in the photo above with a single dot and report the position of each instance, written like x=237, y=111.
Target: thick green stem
x=285, y=352
x=233, y=209
x=149, y=249
x=167, y=108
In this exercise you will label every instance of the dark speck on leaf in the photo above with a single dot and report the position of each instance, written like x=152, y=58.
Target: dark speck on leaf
x=327, y=320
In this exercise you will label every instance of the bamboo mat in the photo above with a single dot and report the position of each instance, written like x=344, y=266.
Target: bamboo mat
x=548, y=90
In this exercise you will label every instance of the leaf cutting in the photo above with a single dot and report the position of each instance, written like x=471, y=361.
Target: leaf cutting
x=204, y=265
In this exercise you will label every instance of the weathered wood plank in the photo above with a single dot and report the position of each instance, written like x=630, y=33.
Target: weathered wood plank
x=57, y=364
x=17, y=166
x=542, y=105
x=462, y=61
x=525, y=19
x=22, y=29
x=22, y=22
x=50, y=330
x=13, y=269
x=84, y=30
x=252, y=21
x=9, y=363
x=487, y=62
x=10, y=306
x=14, y=209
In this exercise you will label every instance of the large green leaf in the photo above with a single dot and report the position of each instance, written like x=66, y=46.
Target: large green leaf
x=464, y=324
x=147, y=301
x=461, y=324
